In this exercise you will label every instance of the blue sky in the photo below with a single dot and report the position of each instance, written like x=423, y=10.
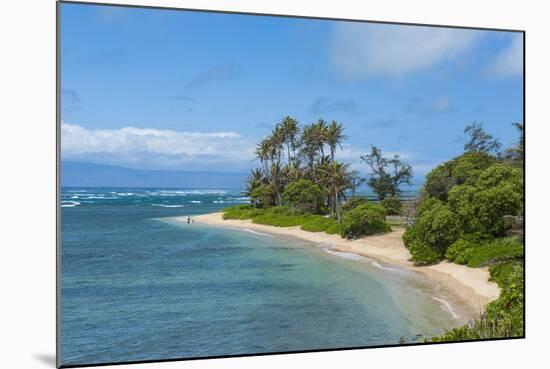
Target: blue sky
x=160, y=89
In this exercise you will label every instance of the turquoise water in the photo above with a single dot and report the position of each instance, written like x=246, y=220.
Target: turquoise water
x=139, y=285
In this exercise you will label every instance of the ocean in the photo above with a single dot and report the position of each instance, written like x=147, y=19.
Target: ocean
x=138, y=285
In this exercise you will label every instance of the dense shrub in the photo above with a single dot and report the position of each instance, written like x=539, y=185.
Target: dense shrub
x=459, y=252
x=263, y=195
x=283, y=216
x=438, y=182
x=472, y=196
x=467, y=168
x=243, y=211
x=481, y=253
x=392, y=205
x=353, y=203
x=464, y=169
x=482, y=207
x=431, y=235
x=303, y=194
x=364, y=220
x=318, y=223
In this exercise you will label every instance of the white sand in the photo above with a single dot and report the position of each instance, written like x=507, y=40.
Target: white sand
x=469, y=286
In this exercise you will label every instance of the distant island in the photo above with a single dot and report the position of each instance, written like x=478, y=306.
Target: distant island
x=81, y=174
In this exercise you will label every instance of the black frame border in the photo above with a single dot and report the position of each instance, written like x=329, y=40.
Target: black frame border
x=229, y=356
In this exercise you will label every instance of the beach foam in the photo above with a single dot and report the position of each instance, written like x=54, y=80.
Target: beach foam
x=447, y=306
x=345, y=255
x=255, y=232
x=69, y=204
x=168, y=206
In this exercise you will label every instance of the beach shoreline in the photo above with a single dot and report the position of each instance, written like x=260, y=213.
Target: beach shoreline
x=468, y=288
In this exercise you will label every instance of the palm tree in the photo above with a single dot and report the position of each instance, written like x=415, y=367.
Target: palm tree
x=320, y=132
x=309, y=148
x=293, y=171
x=262, y=153
x=334, y=136
x=336, y=181
x=290, y=129
x=276, y=181
x=255, y=179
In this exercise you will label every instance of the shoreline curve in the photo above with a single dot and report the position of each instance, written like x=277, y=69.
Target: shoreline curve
x=469, y=287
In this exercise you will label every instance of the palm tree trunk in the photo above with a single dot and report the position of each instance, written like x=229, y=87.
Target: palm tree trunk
x=288, y=151
x=336, y=206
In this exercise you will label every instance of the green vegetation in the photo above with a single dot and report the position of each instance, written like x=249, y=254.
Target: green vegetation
x=364, y=220
x=304, y=194
x=392, y=205
x=353, y=203
x=318, y=223
x=300, y=182
x=478, y=254
x=472, y=198
x=387, y=174
x=503, y=317
x=469, y=211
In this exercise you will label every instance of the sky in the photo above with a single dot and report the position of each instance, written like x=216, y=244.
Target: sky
x=181, y=90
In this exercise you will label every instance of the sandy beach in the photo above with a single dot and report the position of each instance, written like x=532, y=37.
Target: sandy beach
x=466, y=287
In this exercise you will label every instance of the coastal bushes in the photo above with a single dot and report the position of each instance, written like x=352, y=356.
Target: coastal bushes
x=243, y=211
x=318, y=223
x=281, y=216
x=477, y=254
x=392, y=205
x=263, y=195
x=353, y=203
x=486, y=194
x=464, y=169
x=304, y=195
x=434, y=231
x=475, y=203
x=503, y=317
x=364, y=220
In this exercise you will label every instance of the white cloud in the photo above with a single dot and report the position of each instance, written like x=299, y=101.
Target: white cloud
x=509, y=62
x=147, y=147
x=361, y=50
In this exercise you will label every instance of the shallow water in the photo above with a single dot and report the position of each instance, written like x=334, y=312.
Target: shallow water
x=139, y=285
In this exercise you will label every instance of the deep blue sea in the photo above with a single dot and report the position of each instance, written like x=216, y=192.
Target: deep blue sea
x=138, y=285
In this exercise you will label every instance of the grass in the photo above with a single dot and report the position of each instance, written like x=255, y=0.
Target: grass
x=283, y=216
x=478, y=254
x=318, y=223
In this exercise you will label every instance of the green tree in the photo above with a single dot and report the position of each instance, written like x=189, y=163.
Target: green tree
x=263, y=195
x=383, y=182
x=392, y=205
x=290, y=129
x=255, y=179
x=303, y=195
x=335, y=181
x=480, y=140
x=364, y=219
x=334, y=136
x=465, y=168
x=401, y=173
x=432, y=233
x=514, y=154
